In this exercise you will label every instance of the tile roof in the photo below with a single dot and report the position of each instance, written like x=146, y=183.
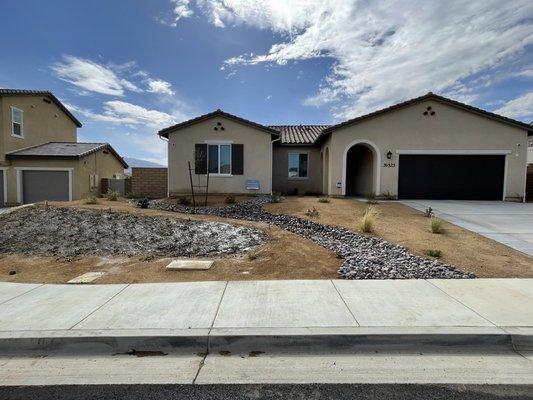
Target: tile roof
x=64, y=149
x=299, y=134
x=433, y=96
x=164, y=132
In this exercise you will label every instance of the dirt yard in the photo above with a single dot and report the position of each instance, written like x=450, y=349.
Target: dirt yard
x=407, y=227
x=283, y=256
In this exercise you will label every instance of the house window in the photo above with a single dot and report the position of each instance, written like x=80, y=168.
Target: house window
x=16, y=122
x=219, y=158
x=298, y=163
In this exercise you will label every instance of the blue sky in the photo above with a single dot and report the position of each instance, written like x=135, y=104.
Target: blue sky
x=129, y=68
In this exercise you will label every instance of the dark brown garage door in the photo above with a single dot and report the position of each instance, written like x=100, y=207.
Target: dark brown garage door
x=451, y=177
x=45, y=185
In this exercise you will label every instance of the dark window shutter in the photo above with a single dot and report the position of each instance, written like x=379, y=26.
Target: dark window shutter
x=200, y=159
x=237, y=159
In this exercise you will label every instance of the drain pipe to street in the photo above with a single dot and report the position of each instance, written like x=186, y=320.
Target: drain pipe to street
x=272, y=161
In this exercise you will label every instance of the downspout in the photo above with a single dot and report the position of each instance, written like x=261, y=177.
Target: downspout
x=272, y=162
x=168, y=154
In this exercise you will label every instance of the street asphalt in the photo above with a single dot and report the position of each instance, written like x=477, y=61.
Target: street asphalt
x=270, y=392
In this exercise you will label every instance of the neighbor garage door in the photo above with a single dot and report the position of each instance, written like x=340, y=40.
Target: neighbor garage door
x=455, y=177
x=45, y=185
x=2, y=177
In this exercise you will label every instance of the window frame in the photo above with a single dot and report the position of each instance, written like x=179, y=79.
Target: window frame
x=21, y=136
x=219, y=144
x=288, y=165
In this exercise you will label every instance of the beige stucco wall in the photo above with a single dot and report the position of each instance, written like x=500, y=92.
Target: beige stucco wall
x=104, y=165
x=257, y=150
x=408, y=129
x=283, y=184
x=42, y=122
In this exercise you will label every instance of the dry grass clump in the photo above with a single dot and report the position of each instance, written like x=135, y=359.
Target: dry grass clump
x=436, y=225
x=368, y=220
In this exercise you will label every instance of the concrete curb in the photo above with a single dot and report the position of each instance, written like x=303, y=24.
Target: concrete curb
x=219, y=342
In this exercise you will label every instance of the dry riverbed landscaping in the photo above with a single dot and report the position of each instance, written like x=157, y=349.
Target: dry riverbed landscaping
x=251, y=239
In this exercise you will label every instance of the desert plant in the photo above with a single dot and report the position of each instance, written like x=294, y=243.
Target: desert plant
x=184, y=200
x=112, y=195
x=323, y=199
x=388, y=195
x=371, y=198
x=230, y=199
x=367, y=221
x=428, y=212
x=312, y=213
x=143, y=203
x=91, y=200
x=276, y=198
x=436, y=225
x=434, y=253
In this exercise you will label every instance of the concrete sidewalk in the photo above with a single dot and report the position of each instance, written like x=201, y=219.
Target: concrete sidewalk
x=417, y=331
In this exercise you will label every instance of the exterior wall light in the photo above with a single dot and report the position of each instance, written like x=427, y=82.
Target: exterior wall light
x=389, y=155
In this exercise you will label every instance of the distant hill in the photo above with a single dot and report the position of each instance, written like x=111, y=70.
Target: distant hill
x=137, y=162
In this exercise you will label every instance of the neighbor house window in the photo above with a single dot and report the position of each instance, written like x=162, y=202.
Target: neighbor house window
x=298, y=163
x=219, y=158
x=16, y=122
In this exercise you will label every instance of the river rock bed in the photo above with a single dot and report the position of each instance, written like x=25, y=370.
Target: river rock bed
x=69, y=232
x=365, y=257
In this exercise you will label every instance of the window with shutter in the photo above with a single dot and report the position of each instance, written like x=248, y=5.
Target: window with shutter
x=237, y=159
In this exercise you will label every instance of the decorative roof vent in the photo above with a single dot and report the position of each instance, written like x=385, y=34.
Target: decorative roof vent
x=429, y=111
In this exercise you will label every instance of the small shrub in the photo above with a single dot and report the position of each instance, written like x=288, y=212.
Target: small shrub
x=324, y=199
x=230, y=199
x=276, y=198
x=143, y=203
x=184, y=200
x=434, y=253
x=112, y=195
x=312, y=213
x=436, y=225
x=367, y=221
x=91, y=200
x=371, y=198
x=388, y=195
x=429, y=212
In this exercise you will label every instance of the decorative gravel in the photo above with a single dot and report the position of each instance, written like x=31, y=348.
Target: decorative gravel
x=365, y=257
x=69, y=232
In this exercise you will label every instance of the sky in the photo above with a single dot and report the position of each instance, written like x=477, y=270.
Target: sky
x=129, y=68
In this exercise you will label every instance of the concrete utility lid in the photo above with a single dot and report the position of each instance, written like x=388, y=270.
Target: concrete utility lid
x=87, y=278
x=188, y=264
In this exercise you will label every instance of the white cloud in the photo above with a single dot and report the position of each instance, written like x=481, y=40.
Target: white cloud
x=387, y=51
x=92, y=77
x=121, y=112
x=181, y=10
x=521, y=107
x=159, y=86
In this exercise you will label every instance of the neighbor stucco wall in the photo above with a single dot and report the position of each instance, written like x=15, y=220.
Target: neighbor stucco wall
x=257, y=152
x=104, y=165
x=408, y=129
x=283, y=184
x=42, y=123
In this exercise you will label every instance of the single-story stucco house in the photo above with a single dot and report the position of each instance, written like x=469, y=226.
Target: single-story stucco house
x=40, y=158
x=429, y=147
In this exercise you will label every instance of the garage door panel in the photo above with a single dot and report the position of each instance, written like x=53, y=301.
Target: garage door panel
x=45, y=185
x=451, y=177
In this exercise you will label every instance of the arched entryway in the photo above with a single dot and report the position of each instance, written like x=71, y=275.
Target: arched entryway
x=361, y=172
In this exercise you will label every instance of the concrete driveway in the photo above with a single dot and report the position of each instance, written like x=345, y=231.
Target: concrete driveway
x=505, y=222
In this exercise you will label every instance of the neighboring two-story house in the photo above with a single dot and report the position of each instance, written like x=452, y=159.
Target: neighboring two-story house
x=40, y=158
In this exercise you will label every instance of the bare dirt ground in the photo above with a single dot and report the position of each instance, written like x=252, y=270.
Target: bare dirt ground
x=407, y=227
x=283, y=256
